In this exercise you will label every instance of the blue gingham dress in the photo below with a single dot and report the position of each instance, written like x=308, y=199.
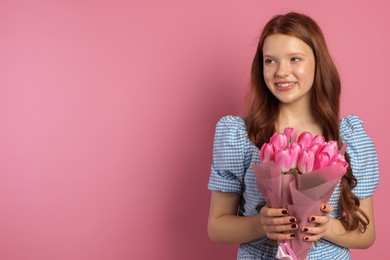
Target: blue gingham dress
x=234, y=153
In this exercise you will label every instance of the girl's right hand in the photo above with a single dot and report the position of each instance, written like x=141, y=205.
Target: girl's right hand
x=277, y=224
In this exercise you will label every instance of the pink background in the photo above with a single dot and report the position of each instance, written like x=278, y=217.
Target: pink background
x=108, y=109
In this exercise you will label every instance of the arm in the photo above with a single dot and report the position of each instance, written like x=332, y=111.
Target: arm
x=224, y=226
x=337, y=234
x=332, y=229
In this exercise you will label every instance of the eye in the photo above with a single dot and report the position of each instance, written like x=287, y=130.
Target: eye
x=295, y=59
x=268, y=61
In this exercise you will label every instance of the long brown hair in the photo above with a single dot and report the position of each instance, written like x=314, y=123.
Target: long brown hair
x=263, y=106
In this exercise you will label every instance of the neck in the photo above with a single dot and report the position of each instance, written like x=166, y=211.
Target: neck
x=298, y=117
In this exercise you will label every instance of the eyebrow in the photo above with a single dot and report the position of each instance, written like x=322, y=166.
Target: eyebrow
x=297, y=53
x=289, y=54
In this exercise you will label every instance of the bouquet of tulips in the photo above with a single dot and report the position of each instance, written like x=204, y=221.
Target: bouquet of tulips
x=299, y=173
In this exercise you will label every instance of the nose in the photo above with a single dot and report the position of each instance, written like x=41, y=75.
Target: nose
x=283, y=69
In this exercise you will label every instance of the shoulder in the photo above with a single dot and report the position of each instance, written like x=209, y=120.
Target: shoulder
x=353, y=133
x=230, y=153
x=362, y=153
x=231, y=123
x=231, y=135
x=231, y=128
x=351, y=124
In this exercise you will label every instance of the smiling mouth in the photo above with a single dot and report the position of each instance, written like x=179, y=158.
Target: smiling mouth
x=285, y=86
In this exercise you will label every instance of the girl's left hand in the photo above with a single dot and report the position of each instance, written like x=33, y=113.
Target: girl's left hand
x=315, y=233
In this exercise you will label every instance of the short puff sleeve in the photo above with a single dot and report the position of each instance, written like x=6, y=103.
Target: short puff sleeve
x=229, y=155
x=362, y=154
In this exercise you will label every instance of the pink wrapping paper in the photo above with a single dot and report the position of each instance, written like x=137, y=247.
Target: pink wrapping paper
x=301, y=194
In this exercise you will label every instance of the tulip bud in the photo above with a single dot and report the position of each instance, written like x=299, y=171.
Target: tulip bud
x=283, y=159
x=291, y=135
x=339, y=158
x=322, y=160
x=305, y=139
x=295, y=150
x=314, y=148
x=306, y=161
x=267, y=152
x=318, y=139
x=278, y=140
x=330, y=148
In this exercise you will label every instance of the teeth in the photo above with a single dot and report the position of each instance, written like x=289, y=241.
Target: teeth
x=285, y=84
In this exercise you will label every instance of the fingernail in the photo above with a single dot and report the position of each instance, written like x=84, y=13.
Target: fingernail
x=306, y=238
x=304, y=230
x=292, y=220
x=294, y=225
x=292, y=235
x=312, y=218
x=284, y=212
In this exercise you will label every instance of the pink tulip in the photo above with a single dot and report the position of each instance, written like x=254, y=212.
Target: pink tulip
x=314, y=148
x=306, y=161
x=318, y=139
x=295, y=151
x=329, y=148
x=339, y=158
x=283, y=159
x=305, y=139
x=267, y=152
x=291, y=135
x=322, y=160
x=278, y=140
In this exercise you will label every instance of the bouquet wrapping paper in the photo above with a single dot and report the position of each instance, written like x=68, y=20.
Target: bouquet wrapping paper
x=302, y=194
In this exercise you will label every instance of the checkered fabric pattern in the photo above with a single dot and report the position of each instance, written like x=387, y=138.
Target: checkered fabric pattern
x=234, y=153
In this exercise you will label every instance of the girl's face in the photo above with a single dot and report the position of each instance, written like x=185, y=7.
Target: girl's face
x=289, y=67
